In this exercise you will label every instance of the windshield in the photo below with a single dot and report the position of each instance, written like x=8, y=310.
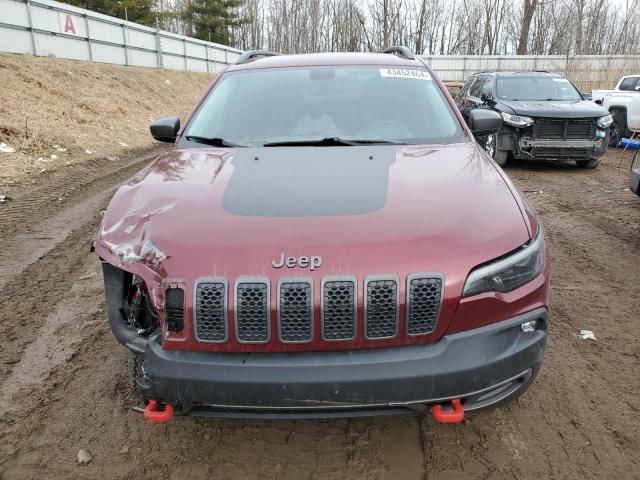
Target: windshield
x=536, y=88
x=337, y=104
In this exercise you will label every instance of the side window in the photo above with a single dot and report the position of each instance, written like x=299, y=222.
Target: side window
x=629, y=84
x=487, y=88
x=474, y=91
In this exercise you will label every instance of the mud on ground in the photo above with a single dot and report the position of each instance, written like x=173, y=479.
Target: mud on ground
x=64, y=383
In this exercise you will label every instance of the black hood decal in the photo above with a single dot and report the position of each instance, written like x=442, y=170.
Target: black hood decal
x=308, y=181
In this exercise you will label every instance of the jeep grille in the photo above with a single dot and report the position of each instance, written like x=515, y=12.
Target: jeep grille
x=252, y=311
x=295, y=311
x=423, y=304
x=339, y=309
x=381, y=308
x=295, y=307
x=211, y=311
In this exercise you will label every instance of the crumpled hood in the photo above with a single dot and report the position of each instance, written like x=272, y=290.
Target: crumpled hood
x=573, y=109
x=206, y=212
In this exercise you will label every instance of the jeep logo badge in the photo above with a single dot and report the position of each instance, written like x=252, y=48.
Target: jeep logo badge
x=302, y=262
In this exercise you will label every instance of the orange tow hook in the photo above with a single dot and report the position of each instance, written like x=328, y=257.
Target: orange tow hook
x=153, y=415
x=448, y=416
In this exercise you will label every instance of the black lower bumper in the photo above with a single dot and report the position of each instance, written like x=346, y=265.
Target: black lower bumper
x=524, y=147
x=482, y=367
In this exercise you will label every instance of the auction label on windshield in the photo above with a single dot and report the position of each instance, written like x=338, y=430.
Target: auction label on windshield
x=405, y=73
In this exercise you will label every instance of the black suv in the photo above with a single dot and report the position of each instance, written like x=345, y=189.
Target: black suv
x=544, y=116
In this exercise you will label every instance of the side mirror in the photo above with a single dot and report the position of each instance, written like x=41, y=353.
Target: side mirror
x=165, y=129
x=483, y=122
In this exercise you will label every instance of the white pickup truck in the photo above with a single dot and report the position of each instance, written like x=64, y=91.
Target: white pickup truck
x=623, y=102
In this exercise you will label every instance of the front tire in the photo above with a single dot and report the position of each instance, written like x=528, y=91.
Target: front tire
x=593, y=163
x=491, y=147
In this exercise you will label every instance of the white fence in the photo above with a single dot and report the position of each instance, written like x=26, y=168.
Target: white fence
x=45, y=27
x=587, y=71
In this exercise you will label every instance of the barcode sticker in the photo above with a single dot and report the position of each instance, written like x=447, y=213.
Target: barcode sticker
x=405, y=73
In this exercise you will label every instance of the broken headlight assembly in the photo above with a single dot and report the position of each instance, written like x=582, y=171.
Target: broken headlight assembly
x=516, y=120
x=510, y=272
x=605, y=122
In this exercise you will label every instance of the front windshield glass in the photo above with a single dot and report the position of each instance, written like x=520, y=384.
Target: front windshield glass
x=257, y=107
x=536, y=88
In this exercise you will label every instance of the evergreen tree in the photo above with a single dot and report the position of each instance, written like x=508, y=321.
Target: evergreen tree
x=138, y=11
x=211, y=19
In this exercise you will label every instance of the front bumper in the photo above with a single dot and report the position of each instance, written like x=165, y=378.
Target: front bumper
x=525, y=147
x=482, y=367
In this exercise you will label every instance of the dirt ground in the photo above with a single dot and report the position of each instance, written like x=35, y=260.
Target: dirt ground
x=56, y=112
x=64, y=383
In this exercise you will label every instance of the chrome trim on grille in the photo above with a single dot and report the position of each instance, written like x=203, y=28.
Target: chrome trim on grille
x=194, y=312
x=339, y=278
x=286, y=280
x=425, y=275
x=376, y=278
x=243, y=280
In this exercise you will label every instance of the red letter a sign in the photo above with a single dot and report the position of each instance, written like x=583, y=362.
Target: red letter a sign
x=68, y=25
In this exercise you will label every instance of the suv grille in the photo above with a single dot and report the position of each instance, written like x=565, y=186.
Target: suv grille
x=211, y=311
x=252, y=311
x=547, y=152
x=381, y=308
x=572, y=129
x=338, y=313
x=295, y=310
x=339, y=309
x=423, y=304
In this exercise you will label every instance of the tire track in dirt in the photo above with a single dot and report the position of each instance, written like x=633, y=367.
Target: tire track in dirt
x=72, y=185
x=55, y=340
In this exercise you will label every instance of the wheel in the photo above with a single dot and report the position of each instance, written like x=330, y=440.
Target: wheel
x=593, y=163
x=491, y=147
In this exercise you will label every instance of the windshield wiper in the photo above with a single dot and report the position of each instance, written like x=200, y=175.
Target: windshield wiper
x=329, y=142
x=214, y=142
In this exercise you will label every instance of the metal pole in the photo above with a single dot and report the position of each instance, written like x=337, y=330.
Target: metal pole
x=124, y=36
x=184, y=44
x=33, y=35
x=464, y=68
x=86, y=23
x=158, y=46
x=206, y=49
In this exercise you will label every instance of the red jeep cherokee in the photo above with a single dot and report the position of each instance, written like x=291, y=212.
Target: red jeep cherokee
x=326, y=238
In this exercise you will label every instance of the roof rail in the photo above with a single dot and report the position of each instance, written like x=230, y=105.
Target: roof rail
x=400, y=51
x=252, y=55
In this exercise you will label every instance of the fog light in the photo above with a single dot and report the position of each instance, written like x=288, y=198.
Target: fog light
x=530, y=326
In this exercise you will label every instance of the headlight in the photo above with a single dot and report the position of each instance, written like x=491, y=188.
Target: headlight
x=516, y=120
x=510, y=272
x=605, y=122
